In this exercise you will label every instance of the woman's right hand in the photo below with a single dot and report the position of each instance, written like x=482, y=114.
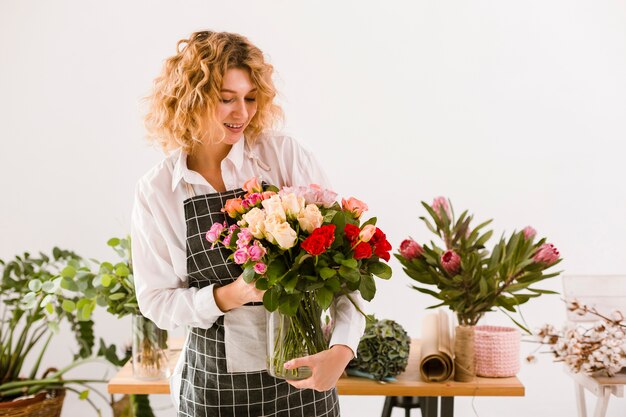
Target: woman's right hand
x=236, y=294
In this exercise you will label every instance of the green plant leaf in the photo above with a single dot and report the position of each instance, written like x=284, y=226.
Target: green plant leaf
x=271, y=297
x=249, y=274
x=349, y=274
x=380, y=269
x=34, y=285
x=324, y=297
x=68, y=272
x=367, y=287
x=326, y=273
x=113, y=242
x=68, y=305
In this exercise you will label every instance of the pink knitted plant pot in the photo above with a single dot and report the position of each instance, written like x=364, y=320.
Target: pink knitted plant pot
x=496, y=351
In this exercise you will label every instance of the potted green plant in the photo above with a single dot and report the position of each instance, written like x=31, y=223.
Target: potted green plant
x=37, y=295
x=465, y=276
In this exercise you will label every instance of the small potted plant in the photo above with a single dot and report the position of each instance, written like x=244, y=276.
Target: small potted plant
x=37, y=295
x=470, y=279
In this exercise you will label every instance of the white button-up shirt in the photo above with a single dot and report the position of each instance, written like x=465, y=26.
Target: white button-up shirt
x=159, y=232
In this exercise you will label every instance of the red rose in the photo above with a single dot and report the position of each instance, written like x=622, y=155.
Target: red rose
x=352, y=232
x=328, y=232
x=362, y=251
x=319, y=240
x=381, y=245
x=378, y=237
x=314, y=244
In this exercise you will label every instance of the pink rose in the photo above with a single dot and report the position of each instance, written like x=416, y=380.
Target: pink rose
x=451, y=262
x=252, y=200
x=547, y=254
x=440, y=205
x=241, y=256
x=260, y=268
x=256, y=251
x=529, y=232
x=313, y=194
x=215, y=232
x=243, y=238
x=252, y=186
x=357, y=207
x=367, y=232
x=227, y=239
x=410, y=249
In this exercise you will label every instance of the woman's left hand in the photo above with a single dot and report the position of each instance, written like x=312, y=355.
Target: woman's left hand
x=327, y=367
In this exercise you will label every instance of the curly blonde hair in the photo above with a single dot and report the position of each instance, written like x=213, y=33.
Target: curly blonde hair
x=183, y=102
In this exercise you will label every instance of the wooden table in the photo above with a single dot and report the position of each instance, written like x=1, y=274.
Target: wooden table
x=408, y=384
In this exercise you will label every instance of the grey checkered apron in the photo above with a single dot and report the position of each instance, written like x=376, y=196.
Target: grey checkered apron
x=207, y=389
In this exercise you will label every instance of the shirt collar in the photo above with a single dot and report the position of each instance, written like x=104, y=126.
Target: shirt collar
x=180, y=172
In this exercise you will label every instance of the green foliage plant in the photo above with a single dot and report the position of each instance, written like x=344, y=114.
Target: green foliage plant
x=467, y=277
x=383, y=351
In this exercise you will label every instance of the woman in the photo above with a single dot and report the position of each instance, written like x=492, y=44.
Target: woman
x=213, y=105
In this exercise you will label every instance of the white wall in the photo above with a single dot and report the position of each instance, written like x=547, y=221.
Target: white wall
x=515, y=110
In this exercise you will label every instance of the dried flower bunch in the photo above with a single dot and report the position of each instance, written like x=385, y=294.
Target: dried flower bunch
x=601, y=348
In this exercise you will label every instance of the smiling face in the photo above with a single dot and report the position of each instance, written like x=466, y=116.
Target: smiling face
x=237, y=104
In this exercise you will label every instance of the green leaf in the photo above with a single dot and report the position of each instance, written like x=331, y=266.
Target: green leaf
x=324, y=297
x=68, y=284
x=122, y=270
x=326, y=273
x=333, y=284
x=349, y=274
x=261, y=284
x=50, y=308
x=113, y=242
x=34, y=285
x=289, y=284
x=367, y=288
x=249, y=274
x=106, y=280
x=380, y=269
x=116, y=296
x=68, y=305
x=48, y=287
x=371, y=221
x=275, y=269
x=271, y=297
x=350, y=263
x=84, y=394
x=68, y=272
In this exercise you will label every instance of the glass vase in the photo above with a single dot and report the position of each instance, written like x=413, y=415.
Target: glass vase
x=149, y=350
x=290, y=337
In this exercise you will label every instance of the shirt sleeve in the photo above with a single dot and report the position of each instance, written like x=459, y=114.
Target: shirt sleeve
x=163, y=297
x=349, y=322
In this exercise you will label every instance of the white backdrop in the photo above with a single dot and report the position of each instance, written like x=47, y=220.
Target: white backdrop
x=515, y=110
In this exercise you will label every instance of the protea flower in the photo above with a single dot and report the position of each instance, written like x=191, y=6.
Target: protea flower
x=547, y=254
x=451, y=262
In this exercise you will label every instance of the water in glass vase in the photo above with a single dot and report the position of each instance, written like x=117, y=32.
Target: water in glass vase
x=290, y=337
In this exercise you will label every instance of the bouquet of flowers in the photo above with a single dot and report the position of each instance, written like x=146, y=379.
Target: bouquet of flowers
x=467, y=277
x=304, y=248
x=600, y=348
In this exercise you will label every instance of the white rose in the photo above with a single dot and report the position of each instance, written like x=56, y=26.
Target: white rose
x=274, y=206
x=292, y=204
x=279, y=232
x=310, y=218
x=255, y=219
